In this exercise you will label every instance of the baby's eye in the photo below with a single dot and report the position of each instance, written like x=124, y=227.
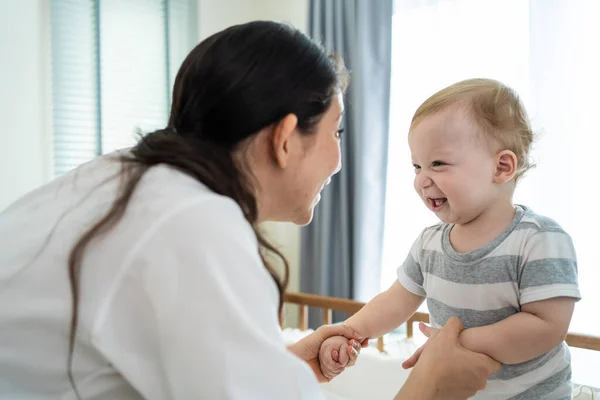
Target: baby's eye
x=437, y=164
x=416, y=167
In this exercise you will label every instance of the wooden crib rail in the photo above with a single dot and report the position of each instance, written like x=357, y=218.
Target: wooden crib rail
x=329, y=304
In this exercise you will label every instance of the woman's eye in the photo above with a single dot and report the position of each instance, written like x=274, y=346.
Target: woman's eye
x=339, y=133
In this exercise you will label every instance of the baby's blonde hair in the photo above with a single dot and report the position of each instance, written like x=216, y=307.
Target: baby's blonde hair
x=495, y=108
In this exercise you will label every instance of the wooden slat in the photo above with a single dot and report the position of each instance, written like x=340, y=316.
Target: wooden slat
x=380, y=344
x=420, y=317
x=327, y=316
x=583, y=341
x=303, y=318
x=417, y=317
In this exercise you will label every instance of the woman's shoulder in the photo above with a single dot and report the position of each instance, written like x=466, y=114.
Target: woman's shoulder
x=165, y=193
x=180, y=205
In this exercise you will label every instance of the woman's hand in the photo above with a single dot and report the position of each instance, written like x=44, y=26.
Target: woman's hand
x=430, y=333
x=446, y=370
x=308, y=348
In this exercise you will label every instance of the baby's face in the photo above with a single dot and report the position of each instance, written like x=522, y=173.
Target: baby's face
x=454, y=166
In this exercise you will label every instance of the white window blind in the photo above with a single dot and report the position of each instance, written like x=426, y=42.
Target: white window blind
x=113, y=67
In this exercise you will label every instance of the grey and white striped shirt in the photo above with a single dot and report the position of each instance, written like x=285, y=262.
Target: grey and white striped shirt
x=533, y=259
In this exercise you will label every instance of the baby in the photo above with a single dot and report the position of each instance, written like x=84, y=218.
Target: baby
x=508, y=273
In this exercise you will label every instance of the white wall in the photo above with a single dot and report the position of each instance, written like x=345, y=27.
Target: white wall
x=24, y=97
x=215, y=15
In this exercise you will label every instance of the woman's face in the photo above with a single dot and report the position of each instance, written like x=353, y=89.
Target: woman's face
x=319, y=158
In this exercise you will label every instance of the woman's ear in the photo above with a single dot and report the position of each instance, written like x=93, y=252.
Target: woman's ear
x=506, y=166
x=281, y=139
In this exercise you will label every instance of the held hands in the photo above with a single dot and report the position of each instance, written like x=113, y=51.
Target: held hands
x=336, y=354
x=308, y=349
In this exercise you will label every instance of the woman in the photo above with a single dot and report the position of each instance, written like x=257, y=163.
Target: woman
x=142, y=274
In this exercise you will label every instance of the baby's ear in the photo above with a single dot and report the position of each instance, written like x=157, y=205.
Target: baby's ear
x=506, y=166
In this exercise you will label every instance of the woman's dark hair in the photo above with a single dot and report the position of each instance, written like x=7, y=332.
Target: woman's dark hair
x=231, y=86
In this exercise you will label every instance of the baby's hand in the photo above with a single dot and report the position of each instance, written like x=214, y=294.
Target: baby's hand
x=336, y=354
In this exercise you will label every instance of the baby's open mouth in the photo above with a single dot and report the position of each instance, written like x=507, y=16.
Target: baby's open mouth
x=437, y=202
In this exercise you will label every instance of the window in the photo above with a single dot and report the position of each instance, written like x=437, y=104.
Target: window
x=547, y=51
x=113, y=66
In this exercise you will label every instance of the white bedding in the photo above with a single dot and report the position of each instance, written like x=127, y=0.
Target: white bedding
x=377, y=376
x=374, y=376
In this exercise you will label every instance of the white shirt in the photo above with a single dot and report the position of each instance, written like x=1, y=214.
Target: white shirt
x=175, y=302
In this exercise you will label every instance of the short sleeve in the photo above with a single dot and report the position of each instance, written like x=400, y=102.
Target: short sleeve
x=409, y=273
x=209, y=314
x=549, y=268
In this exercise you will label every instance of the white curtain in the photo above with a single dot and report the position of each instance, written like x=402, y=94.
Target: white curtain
x=547, y=50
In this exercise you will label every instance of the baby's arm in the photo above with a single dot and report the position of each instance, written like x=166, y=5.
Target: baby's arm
x=385, y=312
x=537, y=329
x=396, y=305
x=548, y=292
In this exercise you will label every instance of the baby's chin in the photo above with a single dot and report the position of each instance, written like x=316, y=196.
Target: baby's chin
x=445, y=220
x=454, y=219
x=447, y=217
